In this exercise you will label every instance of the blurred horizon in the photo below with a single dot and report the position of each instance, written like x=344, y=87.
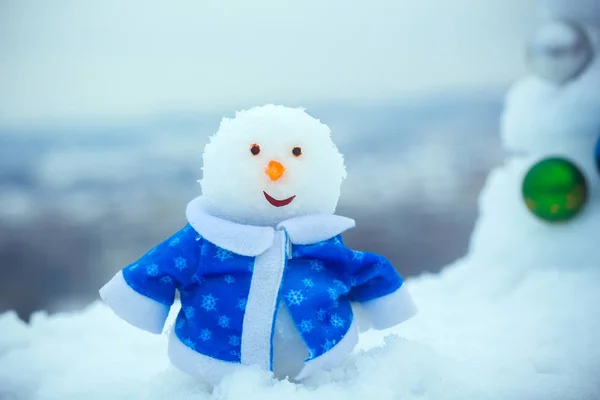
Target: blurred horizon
x=77, y=205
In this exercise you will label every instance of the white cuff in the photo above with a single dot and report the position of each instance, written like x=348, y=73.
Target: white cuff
x=135, y=308
x=390, y=310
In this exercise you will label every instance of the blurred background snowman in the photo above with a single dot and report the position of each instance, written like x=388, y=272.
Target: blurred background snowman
x=546, y=199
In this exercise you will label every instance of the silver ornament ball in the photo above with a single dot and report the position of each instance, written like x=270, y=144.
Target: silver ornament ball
x=559, y=52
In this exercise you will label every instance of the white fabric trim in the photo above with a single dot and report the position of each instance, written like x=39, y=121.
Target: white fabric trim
x=390, y=310
x=135, y=308
x=262, y=304
x=334, y=357
x=246, y=240
x=311, y=229
x=251, y=240
x=189, y=361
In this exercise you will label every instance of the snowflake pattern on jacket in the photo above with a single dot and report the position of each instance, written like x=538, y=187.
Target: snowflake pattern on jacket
x=319, y=283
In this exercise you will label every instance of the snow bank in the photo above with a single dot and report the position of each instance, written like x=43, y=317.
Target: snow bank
x=479, y=335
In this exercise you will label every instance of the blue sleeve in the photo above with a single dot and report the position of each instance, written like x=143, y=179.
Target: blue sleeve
x=142, y=293
x=370, y=275
x=168, y=266
x=377, y=287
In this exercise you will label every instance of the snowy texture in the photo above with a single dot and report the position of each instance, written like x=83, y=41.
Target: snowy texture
x=485, y=331
x=312, y=179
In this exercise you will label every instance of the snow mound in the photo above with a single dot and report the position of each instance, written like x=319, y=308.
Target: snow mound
x=478, y=335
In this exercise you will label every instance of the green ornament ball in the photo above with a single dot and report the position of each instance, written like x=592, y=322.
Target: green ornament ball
x=555, y=190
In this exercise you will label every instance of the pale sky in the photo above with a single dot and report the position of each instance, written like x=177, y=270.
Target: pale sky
x=73, y=59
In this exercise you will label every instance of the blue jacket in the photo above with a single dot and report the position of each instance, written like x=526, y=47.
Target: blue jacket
x=231, y=279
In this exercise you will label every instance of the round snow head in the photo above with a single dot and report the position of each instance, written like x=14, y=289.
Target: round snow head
x=269, y=164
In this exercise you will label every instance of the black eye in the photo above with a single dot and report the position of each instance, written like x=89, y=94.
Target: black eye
x=255, y=149
x=297, y=151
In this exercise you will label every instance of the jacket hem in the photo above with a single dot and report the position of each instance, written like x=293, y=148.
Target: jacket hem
x=213, y=370
x=188, y=360
x=334, y=357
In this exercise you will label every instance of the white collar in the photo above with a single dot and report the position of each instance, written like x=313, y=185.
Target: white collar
x=250, y=240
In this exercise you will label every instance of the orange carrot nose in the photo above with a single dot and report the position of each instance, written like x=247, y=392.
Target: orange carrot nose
x=274, y=170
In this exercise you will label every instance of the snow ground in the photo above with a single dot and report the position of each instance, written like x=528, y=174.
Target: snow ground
x=484, y=332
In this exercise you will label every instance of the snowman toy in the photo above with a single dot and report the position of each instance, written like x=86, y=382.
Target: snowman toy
x=263, y=274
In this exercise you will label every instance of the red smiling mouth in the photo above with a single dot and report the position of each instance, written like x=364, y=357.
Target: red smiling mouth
x=278, y=203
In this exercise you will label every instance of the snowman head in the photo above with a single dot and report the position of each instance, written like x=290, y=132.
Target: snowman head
x=269, y=164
